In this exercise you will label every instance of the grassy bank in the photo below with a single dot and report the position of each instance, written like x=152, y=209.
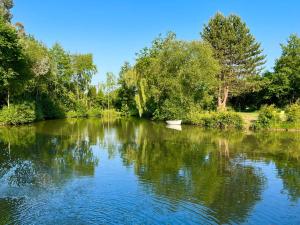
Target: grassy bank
x=268, y=118
x=17, y=114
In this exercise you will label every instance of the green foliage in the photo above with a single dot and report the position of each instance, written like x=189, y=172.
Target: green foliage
x=84, y=69
x=94, y=112
x=219, y=120
x=172, y=73
x=13, y=63
x=5, y=7
x=110, y=114
x=72, y=114
x=237, y=51
x=283, y=85
x=80, y=110
x=293, y=113
x=126, y=93
x=268, y=117
x=55, y=80
x=17, y=114
x=125, y=111
x=50, y=108
x=170, y=110
x=172, y=79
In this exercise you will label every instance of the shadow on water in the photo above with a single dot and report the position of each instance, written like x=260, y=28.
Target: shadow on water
x=218, y=177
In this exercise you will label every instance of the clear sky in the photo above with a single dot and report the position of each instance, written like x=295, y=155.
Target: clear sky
x=114, y=30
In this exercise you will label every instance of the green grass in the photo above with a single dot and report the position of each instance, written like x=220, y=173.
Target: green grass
x=248, y=117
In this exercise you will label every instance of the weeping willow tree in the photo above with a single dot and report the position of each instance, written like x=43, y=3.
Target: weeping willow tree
x=172, y=76
x=140, y=97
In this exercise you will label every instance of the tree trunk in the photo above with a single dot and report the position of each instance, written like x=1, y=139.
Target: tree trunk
x=222, y=98
x=77, y=87
x=219, y=96
x=7, y=98
x=37, y=95
x=108, y=101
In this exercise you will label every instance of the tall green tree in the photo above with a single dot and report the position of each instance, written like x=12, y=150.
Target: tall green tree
x=84, y=69
x=127, y=90
x=61, y=67
x=92, y=95
x=282, y=86
x=172, y=76
x=239, y=54
x=100, y=97
x=13, y=63
x=38, y=56
x=109, y=86
x=288, y=66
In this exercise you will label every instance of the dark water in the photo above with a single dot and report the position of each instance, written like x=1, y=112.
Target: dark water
x=138, y=172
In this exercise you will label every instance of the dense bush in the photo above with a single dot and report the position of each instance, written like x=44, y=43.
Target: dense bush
x=268, y=117
x=293, y=113
x=125, y=111
x=220, y=120
x=18, y=114
x=110, y=113
x=196, y=116
x=171, y=109
x=50, y=109
x=80, y=110
x=94, y=112
x=72, y=114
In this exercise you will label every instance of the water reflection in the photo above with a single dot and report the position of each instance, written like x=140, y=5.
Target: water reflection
x=46, y=154
x=211, y=176
x=175, y=127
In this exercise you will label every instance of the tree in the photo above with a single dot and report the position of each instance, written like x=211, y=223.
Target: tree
x=38, y=56
x=239, y=54
x=13, y=63
x=288, y=67
x=127, y=91
x=52, y=80
x=84, y=68
x=5, y=7
x=173, y=76
x=92, y=95
x=100, y=98
x=282, y=86
x=110, y=85
x=61, y=73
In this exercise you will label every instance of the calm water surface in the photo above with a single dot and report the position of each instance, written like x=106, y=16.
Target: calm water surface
x=138, y=172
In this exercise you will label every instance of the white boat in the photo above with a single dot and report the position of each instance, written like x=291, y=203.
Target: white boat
x=173, y=122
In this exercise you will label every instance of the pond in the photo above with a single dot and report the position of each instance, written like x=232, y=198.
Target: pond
x=89, y=171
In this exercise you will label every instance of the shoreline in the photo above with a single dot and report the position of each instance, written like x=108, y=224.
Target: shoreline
x=246, y=128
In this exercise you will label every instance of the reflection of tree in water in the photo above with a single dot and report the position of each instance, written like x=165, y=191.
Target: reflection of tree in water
x=48, y=152
x=282, y=148
x=193, y=166
x=210, y=167
x=197, y=167
x=7, y=209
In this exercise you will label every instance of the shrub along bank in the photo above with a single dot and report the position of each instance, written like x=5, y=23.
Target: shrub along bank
x=219, y=120
x=24, y=113
x=274, y=119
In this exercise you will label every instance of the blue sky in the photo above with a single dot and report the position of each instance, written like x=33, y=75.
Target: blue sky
x=114, y=30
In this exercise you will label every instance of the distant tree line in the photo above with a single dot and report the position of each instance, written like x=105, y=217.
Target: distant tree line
x=49, y=81
x=170, y=79
x=223, y=69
